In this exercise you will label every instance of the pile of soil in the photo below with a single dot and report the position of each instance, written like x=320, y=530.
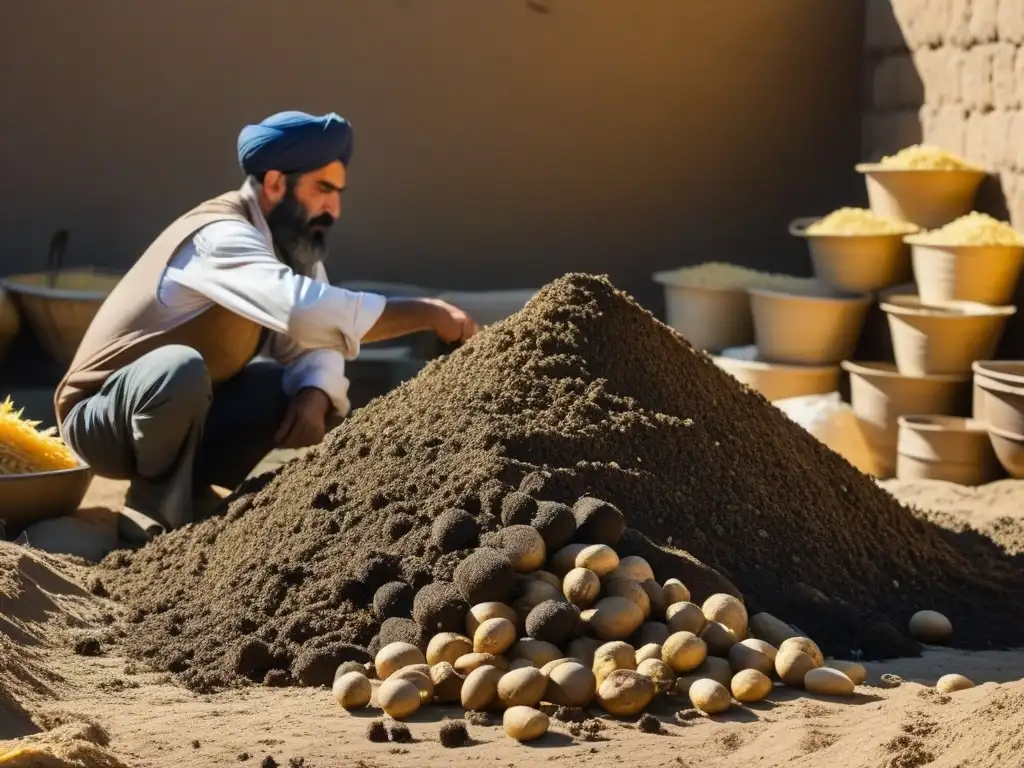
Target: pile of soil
x=582, y=392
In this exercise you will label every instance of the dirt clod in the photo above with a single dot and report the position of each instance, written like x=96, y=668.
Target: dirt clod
x=393, y=600
x=88, y=646
x=399, y=732
x=376, y=731
x=648, y=723
x=453, y=733
x=439, y=607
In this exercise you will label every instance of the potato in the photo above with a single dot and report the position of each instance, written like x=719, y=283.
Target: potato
x=719, y=638
x=393, y=656
x=519, y=664
x=743, y=656
x=727, y=610
x=656, y=596
x=494, y=636
x=649, y=651
x=480, y=689
x=660, y=672
x=952, y=683
x=352, y=690
x=522, y=687
x=447, y=646
x=537, y=652
x=399, y=698
x=585, y=618
x=652, y=632
x=713, y=668
x=533, y=594
x=581, y=587
x=710, y=696
x=523, y=545
x=806, y=645
x=856, y=672
x=546, y=669
x=676, y=592
x=767, y=649
x=770, y=629
x=548, y=577
x=471, y=661
x=351, y=666
x=447, y=683
x=571, y=685
x=599, y=558
x=525, y=723
x=750, y=685
x=418, y=677
x=630, y=590
x=792, y=665
x=564, y=560
x=685, y=617
x=828, y=682
x=632, y=568
x=612, y=656
x=481, y=612
x=684, y=652
x=615, y=618
x=625, y=693
x=930, y=626
x=583, y=648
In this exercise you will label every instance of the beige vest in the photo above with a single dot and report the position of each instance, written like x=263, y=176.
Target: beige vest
x=132, y=322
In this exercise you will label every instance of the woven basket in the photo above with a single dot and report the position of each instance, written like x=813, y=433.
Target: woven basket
x=60, y=305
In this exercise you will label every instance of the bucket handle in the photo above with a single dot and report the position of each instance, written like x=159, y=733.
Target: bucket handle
x=798, y=227
x=55, y=256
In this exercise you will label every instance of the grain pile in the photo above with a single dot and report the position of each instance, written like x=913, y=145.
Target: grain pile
x=583, y=392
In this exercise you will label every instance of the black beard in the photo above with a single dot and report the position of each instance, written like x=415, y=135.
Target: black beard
x=301, y=242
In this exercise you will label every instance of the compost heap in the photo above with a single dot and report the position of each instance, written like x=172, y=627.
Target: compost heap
x=582, y=392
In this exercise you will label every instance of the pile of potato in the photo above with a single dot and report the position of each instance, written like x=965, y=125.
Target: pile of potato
x=593, y=627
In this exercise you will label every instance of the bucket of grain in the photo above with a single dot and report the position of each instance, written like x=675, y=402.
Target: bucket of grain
x=1003, y=404
x=776, y=381
x=812, y=325
x=944, y=337
x=712, y=313
x=949, y=448
x=975, y=258
x=1009, y=450
x=924, y=185
x=60, y=303
x=1007, y=372
x=879, y=395
x=10, y=323
x=856, y=250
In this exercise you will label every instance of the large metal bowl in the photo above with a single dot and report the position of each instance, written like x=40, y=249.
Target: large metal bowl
x=29, y=498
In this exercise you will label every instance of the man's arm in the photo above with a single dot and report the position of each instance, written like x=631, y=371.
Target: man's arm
x=404, y=316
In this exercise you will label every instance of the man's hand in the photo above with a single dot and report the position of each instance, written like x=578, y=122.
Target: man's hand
x=305, y=421
x=451, y=324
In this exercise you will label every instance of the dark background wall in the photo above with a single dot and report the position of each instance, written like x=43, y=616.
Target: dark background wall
x=498, y=143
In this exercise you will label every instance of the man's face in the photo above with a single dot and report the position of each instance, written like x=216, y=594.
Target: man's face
x=302, y=218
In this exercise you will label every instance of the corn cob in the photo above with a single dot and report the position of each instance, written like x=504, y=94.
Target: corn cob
x=25, y=450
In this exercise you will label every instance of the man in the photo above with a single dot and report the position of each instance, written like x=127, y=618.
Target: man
x=164, y=389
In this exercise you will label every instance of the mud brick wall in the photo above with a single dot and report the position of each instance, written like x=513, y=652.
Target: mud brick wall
x=951, y=73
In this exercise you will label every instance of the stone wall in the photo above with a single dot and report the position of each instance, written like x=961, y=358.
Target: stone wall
x=950, y=72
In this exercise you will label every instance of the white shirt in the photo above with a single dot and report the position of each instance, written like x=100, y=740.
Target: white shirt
x=315, y=326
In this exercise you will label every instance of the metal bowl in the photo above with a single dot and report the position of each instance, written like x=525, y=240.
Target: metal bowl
x=29, y=498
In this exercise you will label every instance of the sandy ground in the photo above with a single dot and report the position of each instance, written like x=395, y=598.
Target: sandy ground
x=147, y=721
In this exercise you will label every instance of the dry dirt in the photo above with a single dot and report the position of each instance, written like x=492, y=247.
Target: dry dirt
x=103, y=711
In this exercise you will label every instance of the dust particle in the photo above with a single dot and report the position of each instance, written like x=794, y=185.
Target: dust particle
x=195, y=744
x=242, y=756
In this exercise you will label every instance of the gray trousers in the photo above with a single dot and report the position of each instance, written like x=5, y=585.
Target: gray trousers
x=161, y=424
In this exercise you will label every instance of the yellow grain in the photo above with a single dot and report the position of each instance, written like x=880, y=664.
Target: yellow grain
x=859, y=221
x=725, y=276
x=24, y=449
x=926, y=157
x=972, y=229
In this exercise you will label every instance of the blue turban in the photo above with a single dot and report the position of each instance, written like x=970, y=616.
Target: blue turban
x=294, y=142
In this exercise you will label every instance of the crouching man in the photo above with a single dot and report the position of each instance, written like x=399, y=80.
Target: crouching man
x=165, y=390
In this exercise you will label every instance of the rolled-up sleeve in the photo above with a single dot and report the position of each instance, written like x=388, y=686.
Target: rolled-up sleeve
x=235, y=267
